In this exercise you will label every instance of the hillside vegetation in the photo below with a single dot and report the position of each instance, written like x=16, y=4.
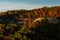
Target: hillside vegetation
x=37, y=24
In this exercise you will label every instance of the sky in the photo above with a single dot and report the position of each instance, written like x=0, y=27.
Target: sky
x=26, y=4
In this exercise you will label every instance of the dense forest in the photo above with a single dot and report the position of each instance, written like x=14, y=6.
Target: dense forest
x=36, y=24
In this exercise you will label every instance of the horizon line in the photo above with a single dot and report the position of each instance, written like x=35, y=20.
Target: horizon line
x=26, y=8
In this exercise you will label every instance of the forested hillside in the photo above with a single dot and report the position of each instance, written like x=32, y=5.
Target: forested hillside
x=37, y=24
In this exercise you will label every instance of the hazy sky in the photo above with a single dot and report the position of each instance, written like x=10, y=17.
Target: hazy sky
x=26, y=4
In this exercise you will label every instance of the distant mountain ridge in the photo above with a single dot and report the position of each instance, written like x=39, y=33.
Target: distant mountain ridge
x=28, y=16
x=45, y=11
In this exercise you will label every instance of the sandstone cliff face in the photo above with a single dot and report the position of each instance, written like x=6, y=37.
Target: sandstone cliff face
x=28, y=16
